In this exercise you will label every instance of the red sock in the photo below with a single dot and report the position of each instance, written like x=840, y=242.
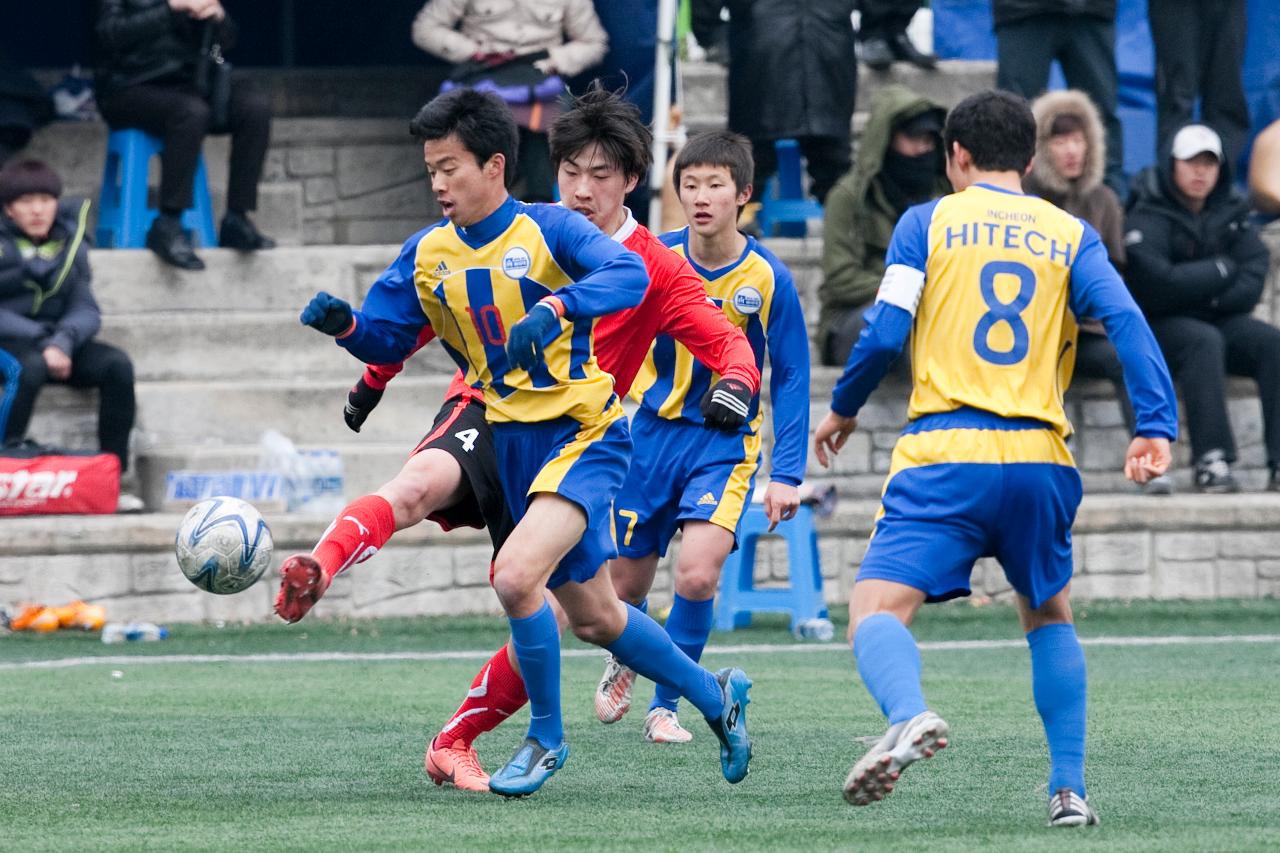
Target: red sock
x=496, y=693
x=362, y=527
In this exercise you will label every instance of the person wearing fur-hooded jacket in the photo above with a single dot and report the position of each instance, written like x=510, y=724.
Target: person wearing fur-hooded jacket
x=1068, y=169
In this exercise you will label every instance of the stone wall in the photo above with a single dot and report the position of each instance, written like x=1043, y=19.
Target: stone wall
x=1182, y=547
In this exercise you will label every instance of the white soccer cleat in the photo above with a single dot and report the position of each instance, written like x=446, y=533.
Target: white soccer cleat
x=1067, y=808
x=662, y=726
x=613, y=694
x=875, y=774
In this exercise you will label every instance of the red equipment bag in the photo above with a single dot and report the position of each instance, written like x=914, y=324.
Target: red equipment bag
x=49, y=484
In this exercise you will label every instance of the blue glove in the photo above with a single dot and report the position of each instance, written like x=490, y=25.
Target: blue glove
x=329, y=314
x=524, y=341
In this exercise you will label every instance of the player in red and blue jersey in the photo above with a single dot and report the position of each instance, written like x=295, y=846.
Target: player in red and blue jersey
x=557, y=431
x=681, y=477
x=987, y=283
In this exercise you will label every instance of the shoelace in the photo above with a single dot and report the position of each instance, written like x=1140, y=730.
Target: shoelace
x=467, y=758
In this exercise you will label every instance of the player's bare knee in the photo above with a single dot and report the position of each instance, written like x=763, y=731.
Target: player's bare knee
x=513, y=583
x=697, y=582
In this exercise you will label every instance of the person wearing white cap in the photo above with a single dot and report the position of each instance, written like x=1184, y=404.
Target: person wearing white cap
x=1197, y=267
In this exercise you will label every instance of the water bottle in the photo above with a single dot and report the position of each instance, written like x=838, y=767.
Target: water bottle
x=819, y=630
x=120, y=632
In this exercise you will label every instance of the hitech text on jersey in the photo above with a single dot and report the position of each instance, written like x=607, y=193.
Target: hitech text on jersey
x=757, y=294
x=470, y=285
x=988, y=283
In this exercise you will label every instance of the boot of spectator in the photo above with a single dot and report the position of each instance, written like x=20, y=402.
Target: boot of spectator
x=239, y=233
x=171, y=243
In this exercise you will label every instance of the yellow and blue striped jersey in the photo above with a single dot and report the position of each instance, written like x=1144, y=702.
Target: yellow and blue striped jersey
x=757, y=294
x=470, y=285
x=988, y=284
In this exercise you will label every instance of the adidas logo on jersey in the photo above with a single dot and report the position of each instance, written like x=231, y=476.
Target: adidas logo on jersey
x=441, y=270
x=708, y=500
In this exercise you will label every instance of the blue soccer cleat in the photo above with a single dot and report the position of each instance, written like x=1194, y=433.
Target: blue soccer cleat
x=532, y=765
x=731, y=725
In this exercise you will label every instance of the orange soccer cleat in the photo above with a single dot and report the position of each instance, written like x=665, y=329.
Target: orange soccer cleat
x=35, y=617
x=77, y=614
x=302, y=583
x=457, y=765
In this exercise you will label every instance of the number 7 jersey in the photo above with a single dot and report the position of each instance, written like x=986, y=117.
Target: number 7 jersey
x=991, y=271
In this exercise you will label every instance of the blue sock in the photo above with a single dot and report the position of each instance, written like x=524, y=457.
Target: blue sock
x=1058, y=681
x=647, y=649
x=537, y=642
x=889, y=664
x=689, y=626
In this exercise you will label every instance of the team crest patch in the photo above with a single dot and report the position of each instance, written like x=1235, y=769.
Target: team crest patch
x=516, y=263
x=747, y=300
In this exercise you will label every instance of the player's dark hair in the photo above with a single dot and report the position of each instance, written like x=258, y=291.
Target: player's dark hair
x=604, y=118
x=481, y=121
x=718, y=148
x=996, y=128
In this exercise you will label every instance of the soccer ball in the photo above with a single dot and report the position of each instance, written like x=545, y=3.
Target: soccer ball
x=223, y=545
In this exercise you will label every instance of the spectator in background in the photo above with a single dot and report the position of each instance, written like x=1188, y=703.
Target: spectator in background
x=1196, y=266
x=495, y=43
x=1081, y=35
x=154, y=58
x=48, y=316
x=883, y=32
x=1199, y=54
x=792, y=75
x=1067, y=171
x=24, y=107
x=900, y=163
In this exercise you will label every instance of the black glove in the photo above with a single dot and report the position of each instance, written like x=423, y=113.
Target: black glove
x=524, y=341
x=726, y=405
x=361, y=400
x=329, y=314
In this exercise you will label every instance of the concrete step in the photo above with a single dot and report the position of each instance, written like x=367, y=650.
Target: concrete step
x=239, y=345
x=366, y=465
x=1125, y=547
x=232, y=412
x=133, y=281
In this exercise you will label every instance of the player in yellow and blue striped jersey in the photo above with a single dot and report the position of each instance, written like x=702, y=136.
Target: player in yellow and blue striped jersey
x=683, y=475
x=987, y=283
x=512, y=291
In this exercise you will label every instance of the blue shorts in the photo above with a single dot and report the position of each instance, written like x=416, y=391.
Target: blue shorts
x=582, y=463
x=681, y=471
x=964, y=486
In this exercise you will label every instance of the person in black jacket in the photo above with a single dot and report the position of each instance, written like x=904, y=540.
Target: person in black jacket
x=1197, y=268
x=48, y=316
x=154, y=55
x=1081, y=35
x=792, y=75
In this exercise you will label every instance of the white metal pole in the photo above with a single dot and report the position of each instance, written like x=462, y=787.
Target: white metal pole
x=662, y=133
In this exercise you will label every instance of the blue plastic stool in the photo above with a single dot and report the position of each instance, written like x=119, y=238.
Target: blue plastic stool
x=739, y=598
x=783, y=204
x=123, y=215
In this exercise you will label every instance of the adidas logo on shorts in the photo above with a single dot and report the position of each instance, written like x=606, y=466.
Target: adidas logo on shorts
x=708, y=500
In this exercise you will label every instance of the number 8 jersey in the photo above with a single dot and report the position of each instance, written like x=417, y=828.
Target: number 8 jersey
x=991, y=272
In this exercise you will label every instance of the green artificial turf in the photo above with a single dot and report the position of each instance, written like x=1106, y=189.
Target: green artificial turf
x=327, y=754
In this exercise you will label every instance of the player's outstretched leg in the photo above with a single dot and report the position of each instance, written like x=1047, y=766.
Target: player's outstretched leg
x=356, y=534
x=889, y=663
x=430, y=480
x=597, y=616
x=1059, y=684
x=496, y=693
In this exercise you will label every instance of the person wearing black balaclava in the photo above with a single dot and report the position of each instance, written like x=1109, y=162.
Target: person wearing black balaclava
x=900, y=163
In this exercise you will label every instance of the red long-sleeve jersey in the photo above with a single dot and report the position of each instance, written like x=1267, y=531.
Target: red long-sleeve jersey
x=674, y=304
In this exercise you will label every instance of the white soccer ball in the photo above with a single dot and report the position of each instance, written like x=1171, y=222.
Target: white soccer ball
x=223, y=545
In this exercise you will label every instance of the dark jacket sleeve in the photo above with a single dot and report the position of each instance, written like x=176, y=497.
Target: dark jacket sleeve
x=118, y=30
x=1251, y=259
x=1158, y=284
x=82, y=319
x=18, y=327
